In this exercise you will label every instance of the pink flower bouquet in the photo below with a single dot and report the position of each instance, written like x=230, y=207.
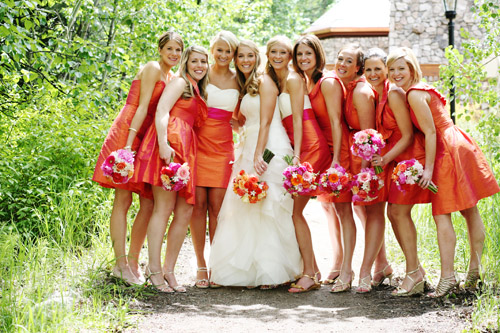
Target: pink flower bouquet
x=366, y=185
x=300, y=179
x=249, y=188
x=366, y=143
x=335, y=180
x=119, y=166
x=175, y=176
x=409, y=172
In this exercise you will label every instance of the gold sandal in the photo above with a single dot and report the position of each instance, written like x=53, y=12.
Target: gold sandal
x=445, y=286
x=158, y=287
x=202, y=283
x=301, y=289
x=472, y=280
x=177, y=288
x=341, y=286
x=384, y=276
x=417, y=289
x=331, y=281
x=364, y=286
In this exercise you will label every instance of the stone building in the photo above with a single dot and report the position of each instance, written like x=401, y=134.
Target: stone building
x=418, y=24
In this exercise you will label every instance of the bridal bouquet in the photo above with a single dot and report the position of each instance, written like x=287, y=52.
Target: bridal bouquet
x=366, y=143
x=119, y=166
x=366, y=185
x=174, y=177
x=300, y=179
x=335, y=180
x=409, y=172
x=249, y=188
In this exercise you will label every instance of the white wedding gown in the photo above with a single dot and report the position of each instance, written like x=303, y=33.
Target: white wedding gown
x=255, y=244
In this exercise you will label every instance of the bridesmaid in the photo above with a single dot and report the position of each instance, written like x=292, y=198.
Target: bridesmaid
x=326, y=93
x=394, y=123
x=359, y=112
x=127, y=132
x=460, y=185
x=215, y=148
x=181, y=107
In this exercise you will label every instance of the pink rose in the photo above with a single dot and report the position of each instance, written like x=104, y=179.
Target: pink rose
x=183, y=172
x=364, y=177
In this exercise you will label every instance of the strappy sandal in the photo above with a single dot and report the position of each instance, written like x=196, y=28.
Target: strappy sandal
x=202, y=283
x=162, y=288
x=301, y=289
x=341, y=286
x=384, y=276
x=177, y=288
x=445, y=286
x=331, y=281
x=417, y=289
x=364, y=285
x=472, y=280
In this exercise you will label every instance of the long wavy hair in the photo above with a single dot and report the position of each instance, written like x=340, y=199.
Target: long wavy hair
x=285, y=41
x=183, y=72
x=313, y=42
x=410, y=58
x=249, y=85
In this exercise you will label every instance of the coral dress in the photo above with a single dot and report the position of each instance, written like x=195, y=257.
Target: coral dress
x=461, y=171
x=184, y=115
x=118, y=134
x=255, y=244
x=320, y=111
x=352, y=119
x=215, y=139
x=388, y=127
x=314, y=147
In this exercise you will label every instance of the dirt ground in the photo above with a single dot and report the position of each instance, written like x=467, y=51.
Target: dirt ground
x=243, y=310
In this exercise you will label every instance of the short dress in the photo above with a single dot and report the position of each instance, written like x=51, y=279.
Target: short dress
x=215, y=139
x=118, y=134
x=388, y=127
x=321, y=113
x=352, y=119
x=184, y=115
x=461, y=171
x=314, y=147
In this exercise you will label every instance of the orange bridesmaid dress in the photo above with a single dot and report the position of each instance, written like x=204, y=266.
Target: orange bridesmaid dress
x=387, y=126
x=461, y=171
x=321, y=113
x=215, y=139
x=184, y=116
x=118, y=134
x=352, y=119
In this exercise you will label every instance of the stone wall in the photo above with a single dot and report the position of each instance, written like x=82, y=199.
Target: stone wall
x=332, y=45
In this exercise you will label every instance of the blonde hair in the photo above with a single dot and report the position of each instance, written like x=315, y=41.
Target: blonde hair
x=168, y=36
x=313, y=42
x=411, y=60
x=225, y=36
x=249, y=85
x=272, y=42
x=183, y=72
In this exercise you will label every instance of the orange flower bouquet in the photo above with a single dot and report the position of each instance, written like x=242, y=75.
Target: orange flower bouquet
x=249, y=188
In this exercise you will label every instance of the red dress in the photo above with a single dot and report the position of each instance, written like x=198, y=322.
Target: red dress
x=184, y=115
x=461, y=171
x=320, y=111
x=352, y=119
x=215, y=139
x=388, y=127
x=314, y=147
x=118, y=134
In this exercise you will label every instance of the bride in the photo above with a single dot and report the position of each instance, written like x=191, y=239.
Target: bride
x=255, y=244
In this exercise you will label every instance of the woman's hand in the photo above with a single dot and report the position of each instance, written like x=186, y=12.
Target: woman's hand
x=166, y=152
x=296, y=160
x=426, y=179
x=378, y=160
x=259, y=164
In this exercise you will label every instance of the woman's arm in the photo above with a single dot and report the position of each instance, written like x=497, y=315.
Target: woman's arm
x=397, y=103
x=172, y=92
x=419, y=103
x=363, y=100
x=295, y=87
x=268, y=94
x=332, y=91
x=150, y=74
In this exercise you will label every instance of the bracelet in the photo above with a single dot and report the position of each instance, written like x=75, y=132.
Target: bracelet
x=127, y=147
x=132, y=129
x=298, y=157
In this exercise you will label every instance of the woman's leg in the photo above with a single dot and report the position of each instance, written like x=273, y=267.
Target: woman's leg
x=138, y=235
x=334, y=230
x=175, y=238
x=118, y=234
x=215, y=198
x=304, y=240
x=476, y=230
x=446, y=240
x=165, y=202
x=344, y=211
x=198, y=227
